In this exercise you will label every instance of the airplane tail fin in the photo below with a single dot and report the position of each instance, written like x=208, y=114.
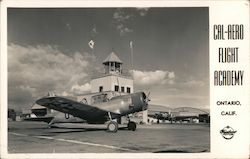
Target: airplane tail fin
x=51, y=94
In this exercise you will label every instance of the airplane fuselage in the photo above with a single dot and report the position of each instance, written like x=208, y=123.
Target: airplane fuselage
x=99, y=112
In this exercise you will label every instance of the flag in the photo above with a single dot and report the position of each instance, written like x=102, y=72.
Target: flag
x=91, y=44
x=131, y=44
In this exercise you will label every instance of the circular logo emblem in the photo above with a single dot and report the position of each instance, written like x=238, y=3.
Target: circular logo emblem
x=228, y=132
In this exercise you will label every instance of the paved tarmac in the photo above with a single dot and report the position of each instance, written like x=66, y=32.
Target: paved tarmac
x=36, y=137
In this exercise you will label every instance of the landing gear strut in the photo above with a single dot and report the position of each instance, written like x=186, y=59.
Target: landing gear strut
x=51, y=124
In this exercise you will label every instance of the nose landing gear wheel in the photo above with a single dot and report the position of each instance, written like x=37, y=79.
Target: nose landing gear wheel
x=132, y=126
x=112, y=126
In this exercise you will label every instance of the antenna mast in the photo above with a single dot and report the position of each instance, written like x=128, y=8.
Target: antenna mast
x=132, y=54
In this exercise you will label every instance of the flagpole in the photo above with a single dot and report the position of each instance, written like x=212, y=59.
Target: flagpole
x=132, y=54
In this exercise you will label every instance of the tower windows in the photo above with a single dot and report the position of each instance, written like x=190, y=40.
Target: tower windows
x=100, y=88
x=116, y=88
x=122, y=89
x=128, y=90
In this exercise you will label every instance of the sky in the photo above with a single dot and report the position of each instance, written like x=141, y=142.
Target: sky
x=48, y=51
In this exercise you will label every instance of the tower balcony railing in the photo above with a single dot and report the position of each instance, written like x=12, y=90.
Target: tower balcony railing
x=124, y=73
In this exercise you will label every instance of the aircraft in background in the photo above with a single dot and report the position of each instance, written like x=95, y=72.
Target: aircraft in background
x=100, y=111
x=159, y=115
x=181, y=114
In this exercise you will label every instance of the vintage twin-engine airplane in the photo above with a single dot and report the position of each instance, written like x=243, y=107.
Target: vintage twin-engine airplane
x=100, y=112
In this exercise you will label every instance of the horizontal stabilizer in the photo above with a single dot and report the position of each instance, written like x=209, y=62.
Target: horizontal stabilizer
x=44, y=119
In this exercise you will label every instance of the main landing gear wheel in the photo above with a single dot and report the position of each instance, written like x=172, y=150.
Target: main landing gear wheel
x=132, y=126
x=112, y=126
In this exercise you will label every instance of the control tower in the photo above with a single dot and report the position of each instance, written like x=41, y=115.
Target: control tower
x=113, y=78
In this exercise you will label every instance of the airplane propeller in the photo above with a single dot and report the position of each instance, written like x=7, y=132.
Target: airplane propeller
x=146, y=100
x=146, y=97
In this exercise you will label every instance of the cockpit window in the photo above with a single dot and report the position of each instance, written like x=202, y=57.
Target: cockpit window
x=100, y=98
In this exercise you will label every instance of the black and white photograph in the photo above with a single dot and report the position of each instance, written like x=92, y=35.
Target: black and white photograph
x=108, y=80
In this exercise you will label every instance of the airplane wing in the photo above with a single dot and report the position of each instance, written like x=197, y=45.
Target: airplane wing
x=44, y=119
x=77, y=109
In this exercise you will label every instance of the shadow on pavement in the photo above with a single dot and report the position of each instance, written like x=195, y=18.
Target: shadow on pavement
x=73, y=130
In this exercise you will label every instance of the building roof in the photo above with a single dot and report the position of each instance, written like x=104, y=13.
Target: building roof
x=112, y=58
x=160, y=108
